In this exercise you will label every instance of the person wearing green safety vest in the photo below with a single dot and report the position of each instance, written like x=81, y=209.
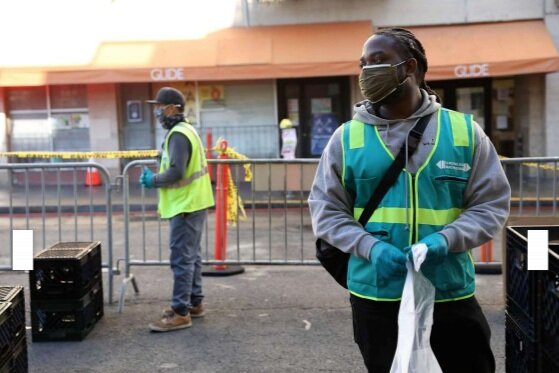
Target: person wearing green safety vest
x=452, y=195
x=185, y=194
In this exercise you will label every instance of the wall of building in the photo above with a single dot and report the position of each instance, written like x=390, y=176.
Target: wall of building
x=3, y=129
x=3, y=136
x=103, y=113
x=552, y=83
x=391, y=12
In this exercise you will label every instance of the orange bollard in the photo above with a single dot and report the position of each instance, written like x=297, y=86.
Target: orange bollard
x=221, y=208
x=221, y=189
x=92, y=177
x=487, y=252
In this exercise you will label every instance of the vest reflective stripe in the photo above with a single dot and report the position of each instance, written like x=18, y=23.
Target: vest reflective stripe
x=437, y=217
x=459, y=128
x=394, y=215
x=397, y=215
x=194, y=191
x=434, y=200
x=189, y=179
x=356, y=135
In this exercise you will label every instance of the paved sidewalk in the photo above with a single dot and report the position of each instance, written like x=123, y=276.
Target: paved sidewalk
x=269, y=319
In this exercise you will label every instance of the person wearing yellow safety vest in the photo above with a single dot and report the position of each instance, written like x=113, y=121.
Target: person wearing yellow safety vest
x=452, y=195
x=185, y=194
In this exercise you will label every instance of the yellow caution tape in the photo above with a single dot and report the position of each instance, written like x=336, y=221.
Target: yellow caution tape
x=84, y=155
x=231, y=153
x=234, y=201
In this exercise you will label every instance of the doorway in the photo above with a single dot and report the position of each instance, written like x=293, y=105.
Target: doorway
x=316, y=107
x=472, y=96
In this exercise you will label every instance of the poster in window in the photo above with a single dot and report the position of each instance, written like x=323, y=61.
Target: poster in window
x=69, y=121
x=188, y=89
x=323, y=126
x=502, y=122
x=293, y=110
x=321, y=105
x=134, y=111
x=211, y=96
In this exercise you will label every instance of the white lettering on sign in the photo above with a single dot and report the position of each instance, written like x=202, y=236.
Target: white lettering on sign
x=472, y=71
x=167, y=74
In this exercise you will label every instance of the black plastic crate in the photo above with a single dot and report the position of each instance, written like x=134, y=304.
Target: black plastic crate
x=6, y=331
x=550, y=309
x=17, y=360
x=14, y=295
x=550, y=363
x=524, y=288
x=521, y=352
x=66, y=319
x=65, y=270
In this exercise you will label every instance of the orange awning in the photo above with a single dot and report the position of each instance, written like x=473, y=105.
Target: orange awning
x=312, y=50
x=264, y=52
x=492, y=49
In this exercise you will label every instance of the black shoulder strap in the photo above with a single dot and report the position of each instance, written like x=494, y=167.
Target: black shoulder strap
x=395, y=168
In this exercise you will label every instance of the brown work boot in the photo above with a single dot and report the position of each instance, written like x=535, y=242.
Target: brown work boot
x=170, y=320
x=197, y=311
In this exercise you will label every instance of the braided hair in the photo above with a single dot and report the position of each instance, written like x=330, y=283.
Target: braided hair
x=408, y=44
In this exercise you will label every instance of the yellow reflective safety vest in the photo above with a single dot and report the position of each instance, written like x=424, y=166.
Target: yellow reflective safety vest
x=194, y=191
x=435, y=199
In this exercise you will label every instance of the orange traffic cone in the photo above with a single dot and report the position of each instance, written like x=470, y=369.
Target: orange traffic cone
x=92, y=177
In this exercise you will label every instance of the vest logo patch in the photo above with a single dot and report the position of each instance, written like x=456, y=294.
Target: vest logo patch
x=447, y=165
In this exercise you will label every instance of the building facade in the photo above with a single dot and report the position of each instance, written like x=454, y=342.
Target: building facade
x=295, y=59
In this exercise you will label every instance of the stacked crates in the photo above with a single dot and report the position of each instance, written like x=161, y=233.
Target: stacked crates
x=66, y=291
x=13, y=344
x=532, y=313
x=550, y=314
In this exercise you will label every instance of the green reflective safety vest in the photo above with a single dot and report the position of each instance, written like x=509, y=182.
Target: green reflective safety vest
x=435, y=198
x=194, y=191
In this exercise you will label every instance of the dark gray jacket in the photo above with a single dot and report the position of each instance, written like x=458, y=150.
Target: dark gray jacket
x=486, y=198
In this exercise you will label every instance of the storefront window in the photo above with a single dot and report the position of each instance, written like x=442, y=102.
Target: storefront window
x=241, y=112
x=471, y=100
x=507, y=140
x=51, y=118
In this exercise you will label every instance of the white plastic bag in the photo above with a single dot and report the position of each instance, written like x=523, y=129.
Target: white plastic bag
x=415, y=320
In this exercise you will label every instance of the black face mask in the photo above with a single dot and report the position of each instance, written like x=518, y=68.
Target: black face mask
x=169, y=122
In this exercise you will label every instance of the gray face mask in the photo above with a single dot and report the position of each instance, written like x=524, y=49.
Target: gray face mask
x=377, y=82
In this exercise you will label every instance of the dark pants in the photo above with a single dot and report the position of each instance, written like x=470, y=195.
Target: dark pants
x=186, y=260
x=459, y=338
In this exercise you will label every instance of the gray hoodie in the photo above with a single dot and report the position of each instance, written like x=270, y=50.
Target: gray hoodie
x=486, y=198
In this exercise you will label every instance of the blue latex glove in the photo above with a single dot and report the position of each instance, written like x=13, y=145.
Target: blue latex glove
x=146, y=178
x=389, y=261
x=437, y=248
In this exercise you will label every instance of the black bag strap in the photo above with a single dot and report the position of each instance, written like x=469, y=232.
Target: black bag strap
x=395, y=168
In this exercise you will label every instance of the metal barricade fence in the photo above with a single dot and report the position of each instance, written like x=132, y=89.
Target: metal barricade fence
x=534, y=183
x=53, y=200
x=275, y=230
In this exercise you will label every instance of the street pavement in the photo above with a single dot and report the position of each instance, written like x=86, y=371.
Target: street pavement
x=268, y=319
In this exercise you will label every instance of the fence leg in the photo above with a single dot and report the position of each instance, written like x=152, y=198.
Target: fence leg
x=125, y=282
x=221, y=220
